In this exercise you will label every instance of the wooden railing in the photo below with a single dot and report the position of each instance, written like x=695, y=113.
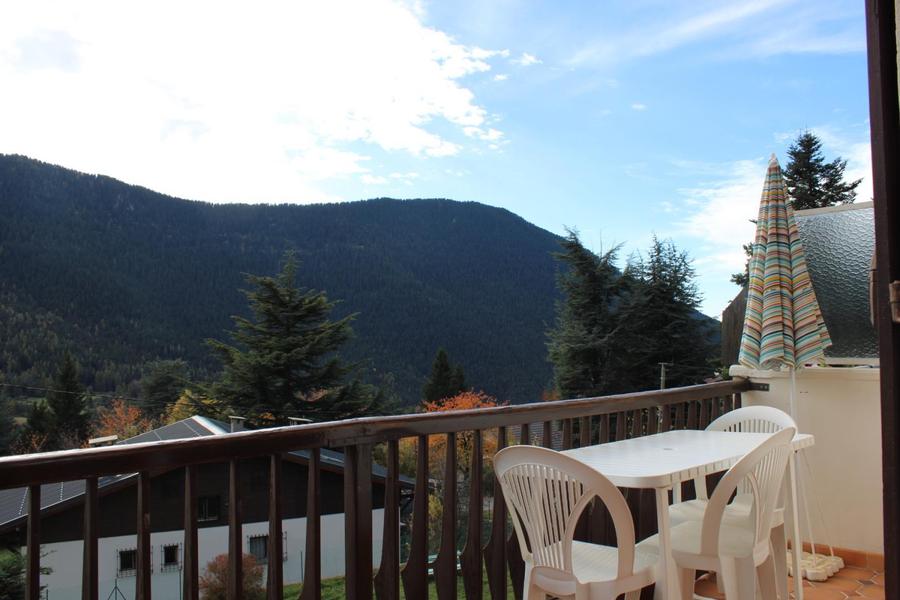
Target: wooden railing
x=594, y=420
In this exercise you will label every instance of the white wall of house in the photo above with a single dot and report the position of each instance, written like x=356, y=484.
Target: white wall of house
x=841, y=407
x=65, y=558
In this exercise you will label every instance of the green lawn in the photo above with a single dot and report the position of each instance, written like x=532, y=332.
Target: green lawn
x=333, y=589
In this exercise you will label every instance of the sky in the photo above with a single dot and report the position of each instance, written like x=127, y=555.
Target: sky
x=619, y=119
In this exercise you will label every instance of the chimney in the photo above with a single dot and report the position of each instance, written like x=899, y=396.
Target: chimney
x=108, y=440
x=298, y=421
x=237, y=423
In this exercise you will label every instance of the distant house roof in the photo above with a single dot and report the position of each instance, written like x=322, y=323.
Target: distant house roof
x=839, y=242
x=13, y=502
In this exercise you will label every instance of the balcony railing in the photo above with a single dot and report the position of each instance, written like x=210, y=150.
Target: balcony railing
x=582, y=422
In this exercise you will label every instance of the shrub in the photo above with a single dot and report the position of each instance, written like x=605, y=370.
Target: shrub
x=214, y=580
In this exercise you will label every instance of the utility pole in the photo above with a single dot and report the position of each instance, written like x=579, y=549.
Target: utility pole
x=662, y=374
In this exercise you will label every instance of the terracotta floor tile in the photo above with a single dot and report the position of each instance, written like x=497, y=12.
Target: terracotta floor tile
x=873, y=592
x=839, y=582
x=823, y=593
x=856, y=573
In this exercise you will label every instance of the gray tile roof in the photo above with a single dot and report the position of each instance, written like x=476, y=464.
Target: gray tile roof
x=839, y=242
x=13, y=501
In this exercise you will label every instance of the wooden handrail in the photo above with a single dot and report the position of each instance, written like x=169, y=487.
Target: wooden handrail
x=68, y=465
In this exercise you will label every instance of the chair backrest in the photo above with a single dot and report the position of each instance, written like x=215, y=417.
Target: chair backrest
x=546, y=492
x=753, y=419
x=748, y=419
x=762, y=470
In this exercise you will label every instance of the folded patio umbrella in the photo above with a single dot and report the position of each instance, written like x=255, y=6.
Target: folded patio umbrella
x=783, y=325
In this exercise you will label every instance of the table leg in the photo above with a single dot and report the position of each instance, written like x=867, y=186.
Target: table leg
x=667, y=587
x=796, y=541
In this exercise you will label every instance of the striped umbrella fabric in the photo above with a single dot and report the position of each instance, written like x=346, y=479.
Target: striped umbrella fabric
x=783, y=325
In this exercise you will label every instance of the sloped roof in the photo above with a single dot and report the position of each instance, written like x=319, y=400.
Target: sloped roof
x=13, y=502
x=839, y=242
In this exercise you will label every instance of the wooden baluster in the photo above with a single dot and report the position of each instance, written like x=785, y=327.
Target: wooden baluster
x=567, y=434
x=415, y=573
x=191, y=575
x=636, y=428
x=652, y=420
x=312, y=571
x=235, y=535
x=737, y=401
x=471, y=554
x=679, y=416
x=603, y=431
x=715, y=409
x=548, y=434
x=275, y=587
x=495, y=550
x=584, y=432
x=513, y=552
x=89, y=579
x=387, y=581
x=692, y=411
x=705, y=406
x=144, y=574
x=621, y=417
x=666, y=417
x=358, y=522
x=445, y=563
x=33, y=544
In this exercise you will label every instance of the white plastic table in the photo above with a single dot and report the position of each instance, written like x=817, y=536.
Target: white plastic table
x=663, y=460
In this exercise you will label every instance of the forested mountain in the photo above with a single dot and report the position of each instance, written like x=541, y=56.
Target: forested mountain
x=120, y=275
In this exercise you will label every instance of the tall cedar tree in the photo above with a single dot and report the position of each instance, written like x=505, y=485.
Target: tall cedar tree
x=811, y=183
x=162, y=384
x=67, y=403
x=582, y=346
x=445, y=380
x=659, y=321
x=283, y=363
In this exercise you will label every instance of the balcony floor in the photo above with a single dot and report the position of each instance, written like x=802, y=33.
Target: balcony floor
x=849, y=582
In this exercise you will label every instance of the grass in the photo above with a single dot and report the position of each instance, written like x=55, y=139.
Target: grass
x=333, y=589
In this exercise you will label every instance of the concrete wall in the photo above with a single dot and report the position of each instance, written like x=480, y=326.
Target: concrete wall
x=64, y=558
x=841, y=408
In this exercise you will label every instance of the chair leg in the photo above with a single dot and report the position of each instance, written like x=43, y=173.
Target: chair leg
x=766, y=576
x=779, y=554
x=686, y=582
x=738, y=578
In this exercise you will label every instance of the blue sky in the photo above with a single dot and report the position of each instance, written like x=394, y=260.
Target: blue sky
x=620, y=119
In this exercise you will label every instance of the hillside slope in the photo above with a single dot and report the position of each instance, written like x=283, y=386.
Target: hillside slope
x=121, y=275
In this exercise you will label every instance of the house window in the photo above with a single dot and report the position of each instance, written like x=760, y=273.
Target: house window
x=258, y=546
x=171, y=557
x=127, y=563
x=208, y=508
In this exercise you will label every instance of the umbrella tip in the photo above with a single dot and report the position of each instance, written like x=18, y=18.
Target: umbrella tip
x=773, y=159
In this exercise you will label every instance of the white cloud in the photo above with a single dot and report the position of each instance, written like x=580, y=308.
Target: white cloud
x=501, y=77
x=526, y=60
x=740, y=29
x=638, y=106
x=212, y=101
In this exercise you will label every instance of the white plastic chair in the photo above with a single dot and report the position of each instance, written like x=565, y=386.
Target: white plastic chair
x=752, y=419
x=737, y=549
x=546, y=492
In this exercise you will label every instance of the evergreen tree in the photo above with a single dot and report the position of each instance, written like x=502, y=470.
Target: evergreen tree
x=812, y=182
x=283, y=361
x=162, y=384
x=8, y=428
x=582, y=345
x=39, y=429
x=660, y=322
x=445, y=380
x=67, y=404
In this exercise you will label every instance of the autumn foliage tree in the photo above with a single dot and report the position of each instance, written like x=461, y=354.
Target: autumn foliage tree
x=121, y=419
x=214, y=579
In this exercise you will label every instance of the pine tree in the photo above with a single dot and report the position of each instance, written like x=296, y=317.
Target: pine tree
x=445, y=380
x=283, y=362
x=659, y=321
x=582, y=345
x=813, y=183
x=162, y=384
x=67, y=404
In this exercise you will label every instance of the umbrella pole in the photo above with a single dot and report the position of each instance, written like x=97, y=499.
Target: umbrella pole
x=793, y=394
